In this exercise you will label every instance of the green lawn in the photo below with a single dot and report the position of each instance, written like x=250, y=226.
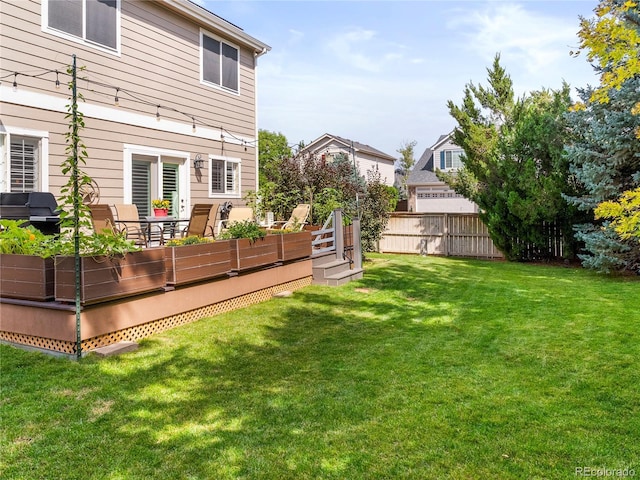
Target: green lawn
x=426, y=368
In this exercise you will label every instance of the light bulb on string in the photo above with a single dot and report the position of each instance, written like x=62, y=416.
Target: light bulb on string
x=193, y=126
x=15, y=82
x=116, y=100
x=57, y=81
x=158, y=113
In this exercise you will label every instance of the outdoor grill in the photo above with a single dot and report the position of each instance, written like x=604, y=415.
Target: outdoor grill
x=39, y=208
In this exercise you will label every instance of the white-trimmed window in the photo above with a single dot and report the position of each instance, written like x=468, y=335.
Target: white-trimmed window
x=23, y=161
x=450, y=159
x=151, y=173
x=219, y=63
x=92, y=22
x=224, y=176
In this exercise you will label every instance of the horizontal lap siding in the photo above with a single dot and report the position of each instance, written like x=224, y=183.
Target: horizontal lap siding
x=105, y=142
x=159, y=63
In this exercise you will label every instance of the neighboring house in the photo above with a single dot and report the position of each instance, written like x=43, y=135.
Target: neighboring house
x=165, y=83
x=427, y=194
x=365, y=157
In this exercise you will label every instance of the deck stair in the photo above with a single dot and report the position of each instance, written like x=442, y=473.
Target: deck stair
x=337, y=257
x=327, y=270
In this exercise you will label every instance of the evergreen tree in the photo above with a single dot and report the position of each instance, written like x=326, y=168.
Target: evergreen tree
x=514, y=168
x=605, y=158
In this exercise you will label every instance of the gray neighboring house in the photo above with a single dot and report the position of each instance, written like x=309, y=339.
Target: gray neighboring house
x=427, y=194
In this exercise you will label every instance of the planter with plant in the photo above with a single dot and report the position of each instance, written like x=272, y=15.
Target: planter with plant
x=26, y=262
x=193, y=259
x=108, y=265
x=250, y=246
x=293, y=244
x=160, y=207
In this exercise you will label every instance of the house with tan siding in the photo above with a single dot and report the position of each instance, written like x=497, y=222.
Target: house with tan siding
x=164, y=83
x=364, y=156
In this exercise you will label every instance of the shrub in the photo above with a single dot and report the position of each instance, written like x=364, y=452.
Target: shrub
x=28, y=240
x=246, y=229
x=190, y=240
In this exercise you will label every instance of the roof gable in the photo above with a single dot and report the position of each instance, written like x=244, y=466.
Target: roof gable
x=442, y=140
x=327, y=138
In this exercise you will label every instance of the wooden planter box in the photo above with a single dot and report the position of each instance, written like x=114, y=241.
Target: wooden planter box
x=26, y=277
x=293, y=246
x=193, y=263
x=106, y=278
x=246, y=255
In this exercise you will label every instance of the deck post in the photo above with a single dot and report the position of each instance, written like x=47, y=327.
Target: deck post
x=357, y=244
x=338, y=230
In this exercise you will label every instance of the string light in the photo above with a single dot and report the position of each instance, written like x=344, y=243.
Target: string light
x=224, y=134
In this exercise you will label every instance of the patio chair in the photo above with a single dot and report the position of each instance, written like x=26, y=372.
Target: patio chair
x=102, y=219
x=297, y=220
x=128, y=218
x=236, y=214
x=212, y=222
x=199, y=220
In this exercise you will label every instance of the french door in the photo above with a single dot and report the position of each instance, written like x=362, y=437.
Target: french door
x=156, y=175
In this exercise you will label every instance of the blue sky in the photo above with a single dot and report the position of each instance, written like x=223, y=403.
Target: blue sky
x=381, y=72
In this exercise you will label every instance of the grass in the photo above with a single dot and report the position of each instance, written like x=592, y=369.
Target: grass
x=426, y=368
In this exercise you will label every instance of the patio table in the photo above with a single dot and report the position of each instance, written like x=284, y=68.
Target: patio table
x=147, y=222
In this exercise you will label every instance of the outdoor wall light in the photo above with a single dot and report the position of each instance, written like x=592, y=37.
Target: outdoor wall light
x=198, y=163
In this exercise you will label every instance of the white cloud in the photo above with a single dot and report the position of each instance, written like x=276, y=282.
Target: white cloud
x=347, y=47
x=364, y=49
x=533, y=40
x=295, y=35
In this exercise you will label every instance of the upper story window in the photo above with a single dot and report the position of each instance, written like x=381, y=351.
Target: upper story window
x=450, y=159
x=219, y=63
x=224, y=177
x=94, y=22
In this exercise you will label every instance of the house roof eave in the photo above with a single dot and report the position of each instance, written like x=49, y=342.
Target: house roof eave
x=442, y=140
x=209, y=19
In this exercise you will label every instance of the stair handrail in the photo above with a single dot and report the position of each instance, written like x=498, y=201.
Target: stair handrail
x=331, y=237
x=318, y=237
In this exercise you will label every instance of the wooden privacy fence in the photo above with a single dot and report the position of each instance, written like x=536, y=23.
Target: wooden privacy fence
x=448, y=234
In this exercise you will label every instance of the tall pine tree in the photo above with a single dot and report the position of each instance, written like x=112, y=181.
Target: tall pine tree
x=514, y=168
x=605, y=158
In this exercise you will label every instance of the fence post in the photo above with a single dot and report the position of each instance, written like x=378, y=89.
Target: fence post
x=357, y=244
x=338, y=233
x=445, y=234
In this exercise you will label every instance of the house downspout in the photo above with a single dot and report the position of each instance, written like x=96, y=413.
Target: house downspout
x=257, y=55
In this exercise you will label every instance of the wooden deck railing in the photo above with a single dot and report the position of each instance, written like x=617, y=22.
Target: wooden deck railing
x=343, y=241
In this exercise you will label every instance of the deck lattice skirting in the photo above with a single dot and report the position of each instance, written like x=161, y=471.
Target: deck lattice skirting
x=144, y=330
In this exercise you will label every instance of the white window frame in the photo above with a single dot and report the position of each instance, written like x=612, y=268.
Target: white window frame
x=5, y=156
x=82, y=40
x=208, y=83
x=226, y=161
x=451, y=153
x=183, y=173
